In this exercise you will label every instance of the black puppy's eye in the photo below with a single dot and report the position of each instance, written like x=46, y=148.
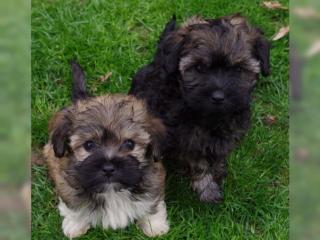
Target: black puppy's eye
x=89, y=145
x=128, y=144
x=201, y=68
x=238, y=69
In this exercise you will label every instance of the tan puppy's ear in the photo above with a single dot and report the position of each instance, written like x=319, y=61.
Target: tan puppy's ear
x=60, y=124
x=59, y=128
x=158, y=133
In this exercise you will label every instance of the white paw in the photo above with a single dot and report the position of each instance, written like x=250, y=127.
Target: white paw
x=72, y=229
x=153, y=228
x=155, y=224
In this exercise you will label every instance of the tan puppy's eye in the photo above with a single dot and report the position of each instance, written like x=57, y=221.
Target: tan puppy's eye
x=128, y=145
x=89, y=145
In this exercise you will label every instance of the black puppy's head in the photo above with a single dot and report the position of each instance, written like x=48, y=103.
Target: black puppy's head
x=217, y=61
x=110, y=140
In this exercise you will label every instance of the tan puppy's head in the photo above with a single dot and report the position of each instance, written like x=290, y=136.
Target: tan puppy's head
x=110, y=141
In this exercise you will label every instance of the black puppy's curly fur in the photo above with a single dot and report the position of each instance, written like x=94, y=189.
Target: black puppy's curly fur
x=199, y=83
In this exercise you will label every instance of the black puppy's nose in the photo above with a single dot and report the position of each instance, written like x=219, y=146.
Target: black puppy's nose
x=108, y=168
x=217, y=96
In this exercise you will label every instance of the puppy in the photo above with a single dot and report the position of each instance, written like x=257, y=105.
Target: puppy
x=103, y=157
x=200, y=83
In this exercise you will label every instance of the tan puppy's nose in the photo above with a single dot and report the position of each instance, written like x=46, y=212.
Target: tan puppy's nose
x=108, y=168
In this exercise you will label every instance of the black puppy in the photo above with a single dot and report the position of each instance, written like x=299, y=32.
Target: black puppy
x=200, y=84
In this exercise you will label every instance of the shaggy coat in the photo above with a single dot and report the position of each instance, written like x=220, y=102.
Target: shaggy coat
x=102, y=155
x=200, y=83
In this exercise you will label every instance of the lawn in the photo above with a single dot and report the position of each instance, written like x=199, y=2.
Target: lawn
x=119, y=37
x=304, y=132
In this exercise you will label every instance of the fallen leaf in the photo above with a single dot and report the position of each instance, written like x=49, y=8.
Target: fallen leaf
x=59, y=81
x=306, y=13
x=269, y=120
x=10, y=201
x=281, y=33
x=37, y=158
x=105, y=77
x=93, y=89
x=301, y=154
x=25, y=193
x=314, y=49
x=273, y=5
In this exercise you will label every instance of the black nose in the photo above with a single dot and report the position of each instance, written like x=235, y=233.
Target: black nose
x=217, y=96
x=108, y=168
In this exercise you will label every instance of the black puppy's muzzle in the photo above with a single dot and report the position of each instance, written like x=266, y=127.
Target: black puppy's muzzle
x=218, y=96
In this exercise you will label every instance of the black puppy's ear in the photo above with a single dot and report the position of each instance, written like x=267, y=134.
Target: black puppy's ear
x=79, y=91
x=169, y=46
x=157, y=132
x=262, y=53
x=59, y=127
x=170, y=27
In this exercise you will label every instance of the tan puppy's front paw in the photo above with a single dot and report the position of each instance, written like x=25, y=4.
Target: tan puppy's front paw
x=155, y=228
x=155, y=224
x=73, y=229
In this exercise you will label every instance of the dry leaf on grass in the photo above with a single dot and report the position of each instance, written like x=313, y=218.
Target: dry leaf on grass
x=37, y=158
x=10, y=201
x=281, y=33
x=25, y=193
x=269, y=120
x=273, y=5
x=306, y=13
x=301, y=154
x=105, y=77
x=93, y=89
x=314, y=49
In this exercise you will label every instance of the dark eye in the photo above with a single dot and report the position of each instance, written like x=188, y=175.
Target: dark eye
x=128, y=144
x=201, y=68
x=238, y=69
x=89, y=145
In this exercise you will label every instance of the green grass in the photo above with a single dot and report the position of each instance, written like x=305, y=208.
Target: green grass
x=120, y=36
x=305, y=134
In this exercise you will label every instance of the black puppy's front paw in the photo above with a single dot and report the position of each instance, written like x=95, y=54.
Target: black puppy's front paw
x=207, y=189
x=211, y=193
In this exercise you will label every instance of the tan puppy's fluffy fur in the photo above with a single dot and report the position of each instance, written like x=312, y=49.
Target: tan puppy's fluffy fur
x=102, y=156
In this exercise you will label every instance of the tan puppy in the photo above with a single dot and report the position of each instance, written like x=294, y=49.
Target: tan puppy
x=102, y=155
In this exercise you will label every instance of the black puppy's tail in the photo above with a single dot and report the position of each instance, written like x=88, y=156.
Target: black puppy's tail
x=79, y=91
